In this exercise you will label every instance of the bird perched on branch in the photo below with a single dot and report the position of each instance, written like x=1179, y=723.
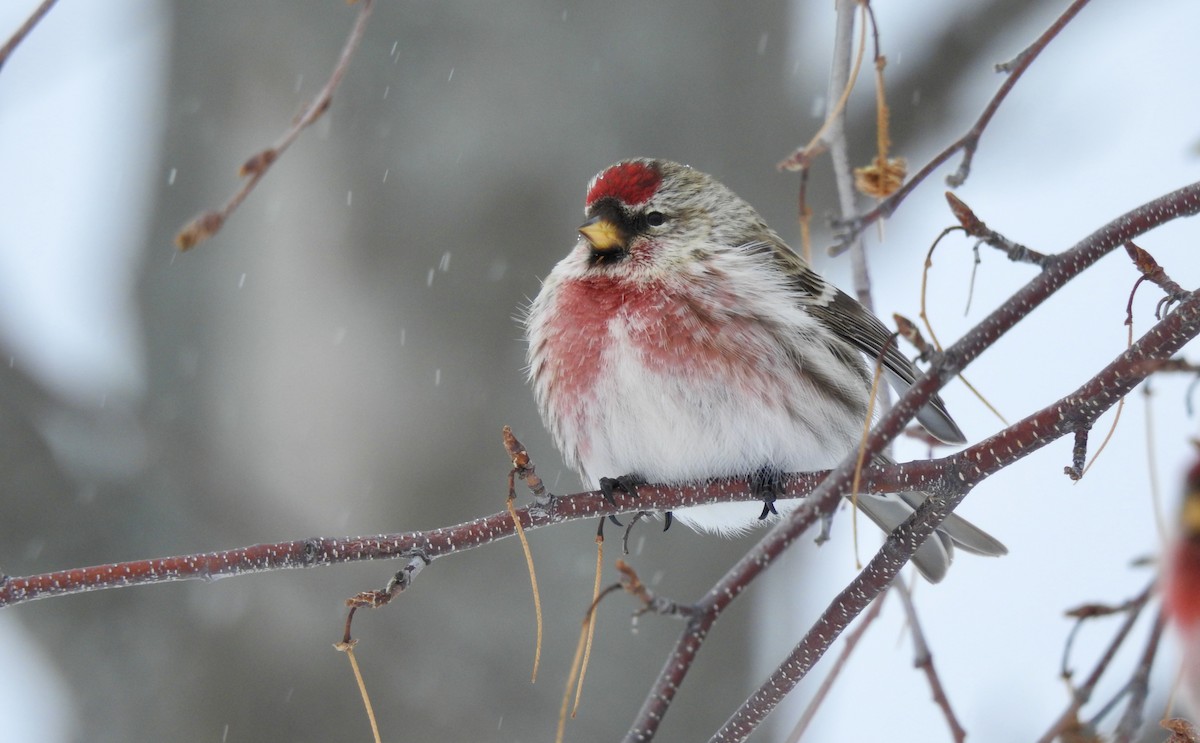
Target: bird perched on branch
x=681, y=340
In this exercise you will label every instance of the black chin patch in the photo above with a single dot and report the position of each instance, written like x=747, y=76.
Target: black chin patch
x=606, y=257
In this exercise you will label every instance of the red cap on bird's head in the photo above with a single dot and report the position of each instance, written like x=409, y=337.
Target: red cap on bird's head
x=630, y=182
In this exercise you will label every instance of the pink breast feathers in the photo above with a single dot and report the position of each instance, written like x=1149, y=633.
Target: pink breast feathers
x=630, y=183
x=671, y=333
x=578, y=338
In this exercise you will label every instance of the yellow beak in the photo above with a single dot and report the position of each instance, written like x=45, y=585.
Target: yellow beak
x=603, y=235
x=1191, y=513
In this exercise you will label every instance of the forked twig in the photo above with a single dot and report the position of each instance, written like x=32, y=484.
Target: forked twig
x=206, y=224
x=1081, y=695
x=967, y=143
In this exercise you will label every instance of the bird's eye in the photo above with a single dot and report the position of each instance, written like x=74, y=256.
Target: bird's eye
x=654, y=219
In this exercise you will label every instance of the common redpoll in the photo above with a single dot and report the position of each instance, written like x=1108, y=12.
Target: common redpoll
x=1181, y=589
x=681, y=340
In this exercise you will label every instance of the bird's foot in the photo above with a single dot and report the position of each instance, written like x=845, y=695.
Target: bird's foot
x=767, y=484
x=668, y=519
x=625, y=483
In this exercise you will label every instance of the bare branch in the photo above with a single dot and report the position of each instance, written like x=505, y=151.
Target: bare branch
x=1078, y=455
x=1069, y=720
x=1139, y=687
x=1097, y=395
x=839, y=155
x=207, y=224
x=976, y=227
x=1155, y=274
x=651, y=602
x=923, y=659
x=19, y=35
x=852, y=640
x=947, y=486
x=967, y=143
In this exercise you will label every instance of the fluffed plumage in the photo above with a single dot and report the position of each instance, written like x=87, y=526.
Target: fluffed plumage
x=682, y=339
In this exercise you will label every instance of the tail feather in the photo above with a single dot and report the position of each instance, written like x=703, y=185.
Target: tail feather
x=932, y=559
x=966, y=535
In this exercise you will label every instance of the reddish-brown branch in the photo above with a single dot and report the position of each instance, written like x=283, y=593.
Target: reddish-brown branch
x=206, y=224
x=1139, y=687
x=950, y=478
x=967, y=143
x=976, y=227
x=979, y=461
x=19, y=35
x=923, y=659
x=956, y=476
x=852, y=640
x=322, y=551
x=1069, y=720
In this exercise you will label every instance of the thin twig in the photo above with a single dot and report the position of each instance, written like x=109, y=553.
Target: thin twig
x=1157, y=275
x=1078, y=455
x=1082, y=694
x=208, y=223
x=839, y=155
x=523, y=466
x=842, y=76
x=19, y=35
x=1139, y=687
x=1160, y=521
x=651, y=603
x=347, y=647
x=851, y=229
x=872, y=398
x=923, y=659
x=925, y=349
x=976, y=227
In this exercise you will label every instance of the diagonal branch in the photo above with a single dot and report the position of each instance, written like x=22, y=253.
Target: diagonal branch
x=19, y=35
x=206, y=224
x=955, y=477
x=1065, y=266
x=967, y=143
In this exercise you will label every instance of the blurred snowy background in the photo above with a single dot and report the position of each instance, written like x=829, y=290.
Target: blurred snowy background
x=341, y=357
